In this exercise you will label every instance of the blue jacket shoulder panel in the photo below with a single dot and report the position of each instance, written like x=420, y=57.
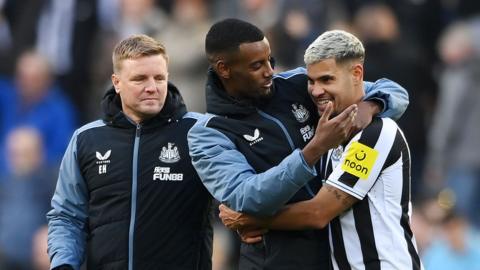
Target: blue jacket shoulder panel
x=193, y=115
x=290, y=73
x=67, y=220
x=94, y=124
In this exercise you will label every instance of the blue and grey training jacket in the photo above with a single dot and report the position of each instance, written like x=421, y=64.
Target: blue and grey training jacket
x=128, y=197
x=248, y=156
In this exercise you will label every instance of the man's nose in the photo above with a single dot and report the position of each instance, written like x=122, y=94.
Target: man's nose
x=316, y=90
x=269, y=70
x=150, y=85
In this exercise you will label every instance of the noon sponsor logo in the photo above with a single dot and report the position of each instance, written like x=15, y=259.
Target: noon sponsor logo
x=359, y=160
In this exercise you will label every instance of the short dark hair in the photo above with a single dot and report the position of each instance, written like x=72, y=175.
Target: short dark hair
x=227, y=35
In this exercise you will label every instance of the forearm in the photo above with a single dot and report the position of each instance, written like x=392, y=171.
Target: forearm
x=298, y=216
x=312, y=152
x=315, y=213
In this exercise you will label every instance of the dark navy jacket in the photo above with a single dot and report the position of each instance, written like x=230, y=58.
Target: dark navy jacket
x=249, y=158
x=128, y=197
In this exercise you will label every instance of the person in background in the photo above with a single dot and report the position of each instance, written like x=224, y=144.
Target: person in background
x=456, y=244
x=34, y=99
x=453, y=159
x=25, y=192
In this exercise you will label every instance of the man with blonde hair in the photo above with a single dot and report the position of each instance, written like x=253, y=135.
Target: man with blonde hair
x=127, y=195
x=261, y=145
x=365, y=199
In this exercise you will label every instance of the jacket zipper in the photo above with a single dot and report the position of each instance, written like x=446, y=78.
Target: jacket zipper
x=133, y=205
x=289, y=139
x=292, y=147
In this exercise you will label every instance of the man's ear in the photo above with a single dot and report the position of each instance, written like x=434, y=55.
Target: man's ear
x=222, y=69
x=116, y=82
x=357, y=73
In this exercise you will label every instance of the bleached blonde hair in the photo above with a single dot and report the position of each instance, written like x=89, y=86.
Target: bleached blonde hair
x=337, y=44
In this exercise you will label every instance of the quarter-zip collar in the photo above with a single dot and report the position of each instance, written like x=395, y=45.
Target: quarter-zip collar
x=173, y=109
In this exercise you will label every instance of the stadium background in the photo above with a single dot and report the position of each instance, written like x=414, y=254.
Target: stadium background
x=430, y=47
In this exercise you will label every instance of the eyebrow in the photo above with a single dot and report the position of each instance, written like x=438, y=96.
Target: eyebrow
x=321, y=78
x=142, y=76
x=137, y=76
x=326, y=77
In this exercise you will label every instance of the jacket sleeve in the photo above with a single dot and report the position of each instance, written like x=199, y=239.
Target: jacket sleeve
x=393, y=97
x=228, y=176
x=68, y=217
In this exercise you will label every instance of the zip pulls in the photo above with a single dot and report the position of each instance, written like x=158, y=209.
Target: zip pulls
x=289, y=139
x=133, y=205
x=137, y=130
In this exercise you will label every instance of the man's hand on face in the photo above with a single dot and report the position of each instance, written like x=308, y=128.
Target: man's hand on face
x=330, y=132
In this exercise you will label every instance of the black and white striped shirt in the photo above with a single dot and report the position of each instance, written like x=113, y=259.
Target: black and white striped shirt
x=375, y=233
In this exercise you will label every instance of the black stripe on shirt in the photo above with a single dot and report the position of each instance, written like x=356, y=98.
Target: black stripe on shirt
x=329, y=168
x=404, y=220
x=394, y=154
x=369, y=137
x=363, y=224
x=339, y=251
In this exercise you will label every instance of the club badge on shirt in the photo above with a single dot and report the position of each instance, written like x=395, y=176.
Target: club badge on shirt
x=300, y=112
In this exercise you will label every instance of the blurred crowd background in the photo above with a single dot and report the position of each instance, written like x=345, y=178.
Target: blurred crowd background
x=55, y=64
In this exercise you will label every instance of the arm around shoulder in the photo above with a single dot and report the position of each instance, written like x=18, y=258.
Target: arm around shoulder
x=393, y=96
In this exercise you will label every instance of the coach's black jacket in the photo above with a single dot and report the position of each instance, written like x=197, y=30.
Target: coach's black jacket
x=129, y=195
